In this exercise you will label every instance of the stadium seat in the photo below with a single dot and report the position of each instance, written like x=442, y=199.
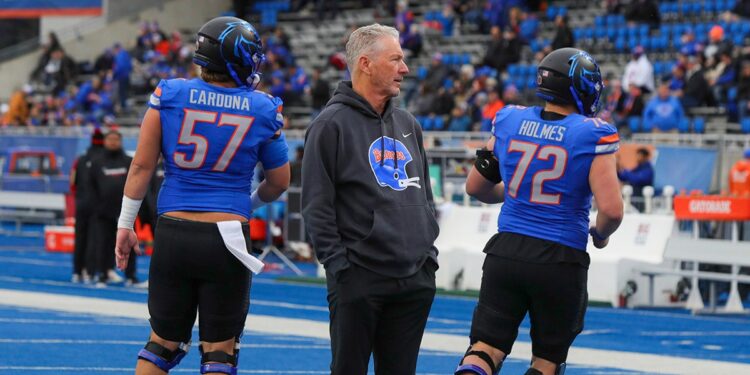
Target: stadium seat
x=745, y=125
x=530, y=70
x=658, y=67
x=531, y=82
x=600, y=21
x=646, y=127
x=643, y=30
x=438, y=123
x=699, y=125
x=551, y=12
x=611, y=33
x=520, y=82
x=513, y=70
x=634, y=123
x=684, y=125
x=738, y=39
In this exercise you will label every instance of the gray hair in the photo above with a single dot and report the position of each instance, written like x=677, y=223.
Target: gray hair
x=363, y=40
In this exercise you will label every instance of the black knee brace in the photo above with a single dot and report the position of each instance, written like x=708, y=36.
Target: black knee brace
x=162, y=357
x=474, y=369
x=227, y=363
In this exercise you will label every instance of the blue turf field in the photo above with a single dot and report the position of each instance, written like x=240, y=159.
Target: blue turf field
x=43, y=341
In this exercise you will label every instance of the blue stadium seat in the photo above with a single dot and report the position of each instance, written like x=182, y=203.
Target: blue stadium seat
x=738, y=39
x=634, y=123
x=465, y=58
x=700, y=29
x=531, y=82
x=632, y=31
x=513, y=70
x=600, y=21
x=601, y=32
x=658, y=67
x=428, y=123
x=633, y=41
x=664, y=8
x=643, y=30
x=551, y=12
x=745, y=125
x=661, y=43
x=645, y=42
x=446, y=59
x=732, y=94
x=535, y=46
x=611, y=33
x=697, y=7
x=684, y=125
x=622, y=32
x=519, y=82
x=677, y=29
x=578, y=33
x=666, y=29
x=620, y=44
x=686, y=8
x=709, y=7
x=438, y=123
x=646, y=127
x=699, y=125
x=421, y=72
x=588, y=33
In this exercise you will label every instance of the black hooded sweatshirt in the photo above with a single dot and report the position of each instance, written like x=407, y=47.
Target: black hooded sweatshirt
x=358, y=206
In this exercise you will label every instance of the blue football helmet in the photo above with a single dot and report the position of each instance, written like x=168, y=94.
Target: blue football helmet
x=231, y=46
x=570, y=76
x=388, y=159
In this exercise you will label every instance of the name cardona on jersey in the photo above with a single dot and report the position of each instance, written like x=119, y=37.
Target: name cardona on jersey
x=216, y=99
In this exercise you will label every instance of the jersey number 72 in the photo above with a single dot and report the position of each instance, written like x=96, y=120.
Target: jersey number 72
x=187, y=136
x=530, y=152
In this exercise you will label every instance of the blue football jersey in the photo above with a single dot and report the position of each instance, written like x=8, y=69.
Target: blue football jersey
x=212, y=138
x=545, y=165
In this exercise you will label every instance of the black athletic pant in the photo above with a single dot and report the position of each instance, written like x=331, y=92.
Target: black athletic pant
x=371, y=313
x=83, y=234
x=106, y=235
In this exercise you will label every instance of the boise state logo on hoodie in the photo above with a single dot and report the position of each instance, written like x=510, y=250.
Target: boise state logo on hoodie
x=388, y=159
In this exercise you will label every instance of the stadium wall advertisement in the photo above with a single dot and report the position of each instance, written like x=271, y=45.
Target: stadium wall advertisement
x=39, y=8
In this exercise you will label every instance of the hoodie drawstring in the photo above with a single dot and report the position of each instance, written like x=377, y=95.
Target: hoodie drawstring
x=395, y=153
x=382, y=142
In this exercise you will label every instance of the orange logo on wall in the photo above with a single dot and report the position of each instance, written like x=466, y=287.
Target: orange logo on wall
x=712, y=207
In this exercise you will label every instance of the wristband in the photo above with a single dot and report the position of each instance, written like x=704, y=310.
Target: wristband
x=128, y=212
x=596, y=234
x=255, y=201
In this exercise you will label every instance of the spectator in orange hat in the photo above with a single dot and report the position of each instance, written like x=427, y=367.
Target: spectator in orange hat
x=716, y=44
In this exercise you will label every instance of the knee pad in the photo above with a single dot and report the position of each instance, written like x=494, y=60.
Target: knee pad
x=474, y=369
x=162, y=357
x=227, y=363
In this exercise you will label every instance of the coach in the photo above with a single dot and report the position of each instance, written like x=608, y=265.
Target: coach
x=368, y=207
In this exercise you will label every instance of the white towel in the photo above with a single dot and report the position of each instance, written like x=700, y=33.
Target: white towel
x=234, y=239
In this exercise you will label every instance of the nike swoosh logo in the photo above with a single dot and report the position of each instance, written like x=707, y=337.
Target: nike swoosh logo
x=405, y=135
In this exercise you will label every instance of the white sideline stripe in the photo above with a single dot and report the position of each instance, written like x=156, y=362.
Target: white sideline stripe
x=648, y=363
